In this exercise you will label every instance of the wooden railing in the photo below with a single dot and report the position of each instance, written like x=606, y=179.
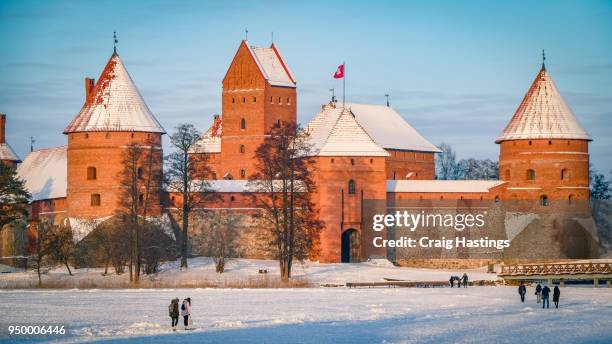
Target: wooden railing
x=556, y=269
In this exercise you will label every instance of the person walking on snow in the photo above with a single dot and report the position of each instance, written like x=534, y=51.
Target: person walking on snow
x=545, y=293
x=465, y=280
x=173, y=311
x=522, y=291
x=556, y=295
x=452, y=281
x=186, y=311
x=538, y=292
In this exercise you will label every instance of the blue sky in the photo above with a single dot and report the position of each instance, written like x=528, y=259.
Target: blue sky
x=455, y=70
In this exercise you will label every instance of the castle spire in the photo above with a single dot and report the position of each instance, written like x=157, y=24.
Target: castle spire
x=543, y=60
x=115, y=42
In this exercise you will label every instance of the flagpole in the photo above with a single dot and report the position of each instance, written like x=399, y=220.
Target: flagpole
x=343, y=84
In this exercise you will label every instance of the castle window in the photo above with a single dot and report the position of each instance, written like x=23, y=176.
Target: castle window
x=544, y=200
x=394, y=175
x=496, y=199
x=242, y=173
x=530, y=143
x=288, y=101
x=254, y=99
x=507, y=174
x=441, y=198
x=243, y=123
x=86, y=136
x=570, y=199
x=351, y=187
x=332, y=160
x=271, y=100
x=91, y=173
x=141, y=200
x=550, y=142
x=531, y=175
x=214, y=175
x=353, y=162
x=139, y=173
x=244, y=99
x=233, y=100
x=371, y=161
x=279, y=100
x=278, y=124
x=132, y=135
x=95, y=200
x=565, y=175
x=242, y=149
x=232, y=198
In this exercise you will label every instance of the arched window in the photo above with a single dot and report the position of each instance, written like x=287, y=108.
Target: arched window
x=244, y=99
x=565, y=175
x=271, y=100
x=570, y=199
x=92, y=173
x=288, y=101
x=242, y=149
x=352, y=161
x=351, y=187
x=242, y=173
x=507, y=174
x=243, y=123
x=544, y=200
x=95, y=200
x=233, y=100
x=531, y=174
x=254, y=99
x=496, y=199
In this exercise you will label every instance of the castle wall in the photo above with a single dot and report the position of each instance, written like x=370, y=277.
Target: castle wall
x=403, y=164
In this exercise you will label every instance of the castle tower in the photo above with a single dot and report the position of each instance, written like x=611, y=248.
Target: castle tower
x=7, y=154
x=544, y=152
x=259, y=92
x=349, y=169
x=114, y=116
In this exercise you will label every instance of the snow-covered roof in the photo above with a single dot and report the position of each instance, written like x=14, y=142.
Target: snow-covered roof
x=543, y=114
x=337, y=133
x=44, y=173
x=226, y=185
x=115, y=104
x=441, y=185
x=210, y=142
x=272, y=66
x=7, y=153
x=387, y=127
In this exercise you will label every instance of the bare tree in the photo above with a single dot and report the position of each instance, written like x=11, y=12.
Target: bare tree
x=282, y=188
x=136, y=178
x=42, y=250
x=59, y=245
x=219, y=235
x=183, y=173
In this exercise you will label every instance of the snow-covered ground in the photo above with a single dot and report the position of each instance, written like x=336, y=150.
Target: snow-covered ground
x=201, y=272
x=314, y=315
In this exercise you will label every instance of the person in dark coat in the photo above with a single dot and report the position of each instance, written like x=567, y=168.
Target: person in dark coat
x=538, y=292
x=173, y=311
x=556, y=295
x=452, y=281
x=545, y=294
x=522, y=291
x=465, y=280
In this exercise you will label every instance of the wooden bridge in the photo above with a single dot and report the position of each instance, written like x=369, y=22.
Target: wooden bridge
x=559, y=272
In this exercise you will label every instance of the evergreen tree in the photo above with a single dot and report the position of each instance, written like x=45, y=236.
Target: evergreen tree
x=14, y=198
x=600, y=187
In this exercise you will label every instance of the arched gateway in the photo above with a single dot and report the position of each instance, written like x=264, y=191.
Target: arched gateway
x=350, y=246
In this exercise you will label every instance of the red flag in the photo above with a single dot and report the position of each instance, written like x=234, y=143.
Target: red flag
x=339, y=74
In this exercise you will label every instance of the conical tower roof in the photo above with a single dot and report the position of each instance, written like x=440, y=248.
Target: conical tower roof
x=543, y=114
x=115, y=104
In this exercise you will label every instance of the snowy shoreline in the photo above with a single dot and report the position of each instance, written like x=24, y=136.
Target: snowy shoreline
x=239, y=274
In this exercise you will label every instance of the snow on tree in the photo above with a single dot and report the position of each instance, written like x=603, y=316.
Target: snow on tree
x=447, y=168
x=446, y=164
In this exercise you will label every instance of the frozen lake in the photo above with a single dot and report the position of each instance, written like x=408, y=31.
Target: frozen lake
x=476, y=314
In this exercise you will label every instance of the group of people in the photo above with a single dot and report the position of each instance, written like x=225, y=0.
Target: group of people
x=542, y=294
x=185, y=312
x=460, y=280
